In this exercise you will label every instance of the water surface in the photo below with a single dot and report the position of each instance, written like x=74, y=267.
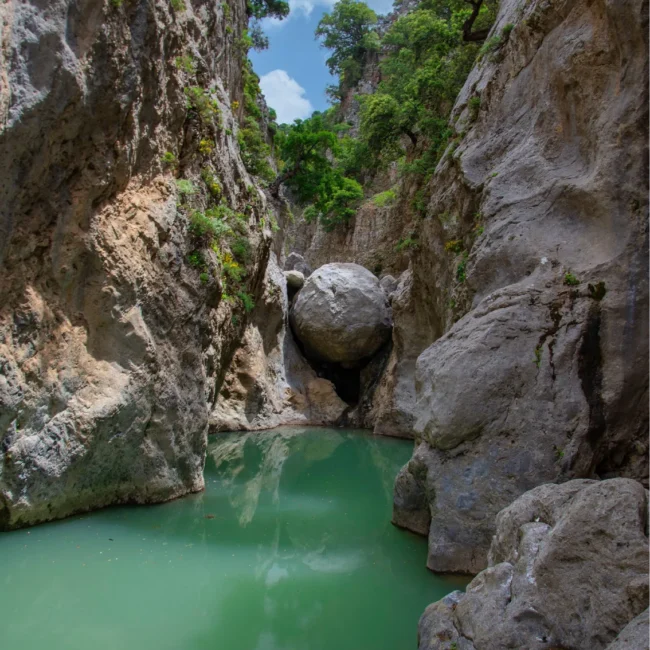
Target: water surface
x=289, y=548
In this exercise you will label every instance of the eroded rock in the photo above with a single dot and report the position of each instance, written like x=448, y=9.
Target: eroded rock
x=538, y=370
x=568, y=569
x=269, y=383
x=296, y=262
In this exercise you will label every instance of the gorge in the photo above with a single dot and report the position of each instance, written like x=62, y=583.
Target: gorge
x=454, y=255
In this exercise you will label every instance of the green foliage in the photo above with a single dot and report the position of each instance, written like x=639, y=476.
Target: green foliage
x=454, y=246
x=505, y=32
x=262, y=8
x=206, y=147
x=538, y=356
x=246, y=300
x=383, y=199
x=491, y=45
x=241, y=249
x=559, y=452
x=254, y=149
x=185, y=187
x=408, y=243
x=204, y=277
x=186, y=63
x=309, y=150
x=347, y=32
x=570, y=279
x=208, y=226
x=196, y=259
x=169, y=159
x=258, y=39
x=201, y=101
x=177, y=5
x=474, y=105
x=117, y=3
x=231, y=270
x=424, y=66
x=461, y=269
x=211, y=182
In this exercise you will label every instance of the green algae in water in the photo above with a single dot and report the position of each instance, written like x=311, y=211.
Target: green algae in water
x=289, y=548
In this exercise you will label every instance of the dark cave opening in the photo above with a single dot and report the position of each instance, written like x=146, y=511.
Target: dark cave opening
x=347, y=381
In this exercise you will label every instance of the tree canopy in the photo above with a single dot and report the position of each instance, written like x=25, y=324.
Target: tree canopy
x=347, y=31
x=262, y=8
x=308, y=150
x=424, y=59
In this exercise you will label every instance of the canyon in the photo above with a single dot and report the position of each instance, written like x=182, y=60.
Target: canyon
x=495, y=313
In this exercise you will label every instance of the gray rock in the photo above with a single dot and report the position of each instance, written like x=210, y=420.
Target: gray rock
x=341, y=315
x=269, y=383
x=530, y=378
x=295, y=280
x=634, y=635
x=389, y=284
x=296, y=262
x=568, y=569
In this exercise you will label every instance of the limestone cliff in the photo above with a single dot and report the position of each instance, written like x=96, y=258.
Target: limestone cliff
x=532, y=271
x=113, y=345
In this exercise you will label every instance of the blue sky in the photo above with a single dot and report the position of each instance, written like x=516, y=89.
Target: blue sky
x=293, y=71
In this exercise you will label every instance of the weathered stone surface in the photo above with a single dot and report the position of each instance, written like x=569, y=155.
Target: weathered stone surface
x=389, y=284
x=269, y=383
x=634, y=635
x=568, y=569
x=296, y=262
x=341, y=315
x=295, y=279
x=111, y=345
x=534, y=375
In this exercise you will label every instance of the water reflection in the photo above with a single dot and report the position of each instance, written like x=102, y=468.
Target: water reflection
x=289, y=548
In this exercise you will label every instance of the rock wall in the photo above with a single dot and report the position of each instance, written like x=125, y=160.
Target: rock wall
x=111, y=345
x=532, y=274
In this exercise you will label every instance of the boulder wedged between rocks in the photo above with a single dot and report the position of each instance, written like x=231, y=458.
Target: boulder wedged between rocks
x=341, y=314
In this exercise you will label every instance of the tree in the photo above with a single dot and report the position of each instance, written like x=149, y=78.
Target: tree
x=308, y=150
x=262, y=8
x=425, y=64
x=348, y=32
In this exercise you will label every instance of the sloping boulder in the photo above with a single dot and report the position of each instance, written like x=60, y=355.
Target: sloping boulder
x=568, y=568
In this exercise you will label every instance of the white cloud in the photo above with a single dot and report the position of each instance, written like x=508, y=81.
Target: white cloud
x=286, y=96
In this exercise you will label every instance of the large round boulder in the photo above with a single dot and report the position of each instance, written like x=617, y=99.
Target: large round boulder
x=341, y=314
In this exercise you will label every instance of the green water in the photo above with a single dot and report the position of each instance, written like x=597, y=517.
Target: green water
x=289, y=548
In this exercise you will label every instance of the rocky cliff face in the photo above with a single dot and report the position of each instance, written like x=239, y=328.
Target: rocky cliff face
x=541, y=290
x=112, y=346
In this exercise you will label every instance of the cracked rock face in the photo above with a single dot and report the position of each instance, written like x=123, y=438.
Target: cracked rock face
x=568, y=568
x=341, y=314
x=543, y=376
x=111, y=346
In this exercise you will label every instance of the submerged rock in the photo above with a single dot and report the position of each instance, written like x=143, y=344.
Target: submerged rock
x=568, y=568
x=341, y=314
